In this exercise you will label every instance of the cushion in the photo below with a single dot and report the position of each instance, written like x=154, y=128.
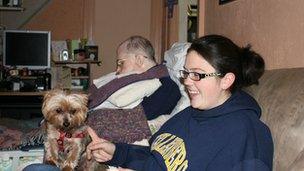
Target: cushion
x=134, y=93
x=120, y=126
x=175, y=59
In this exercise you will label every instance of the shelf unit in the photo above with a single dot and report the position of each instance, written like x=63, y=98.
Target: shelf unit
x=70, y=80
x=3, y=8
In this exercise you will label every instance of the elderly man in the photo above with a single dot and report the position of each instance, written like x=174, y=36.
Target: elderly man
x=135, y=56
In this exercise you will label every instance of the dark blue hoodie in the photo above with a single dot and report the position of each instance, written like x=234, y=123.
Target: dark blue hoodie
x=227, y=137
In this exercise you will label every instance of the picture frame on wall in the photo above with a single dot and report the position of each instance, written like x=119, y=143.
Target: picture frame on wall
x=221, y=2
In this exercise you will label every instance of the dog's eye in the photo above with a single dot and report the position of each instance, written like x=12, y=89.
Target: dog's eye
x=73, y=111
x=58, y=110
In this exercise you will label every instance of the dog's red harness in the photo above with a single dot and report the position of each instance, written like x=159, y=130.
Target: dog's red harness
x=63, y=135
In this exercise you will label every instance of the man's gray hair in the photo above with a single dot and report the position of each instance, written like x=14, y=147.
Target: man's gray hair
x=137, y=44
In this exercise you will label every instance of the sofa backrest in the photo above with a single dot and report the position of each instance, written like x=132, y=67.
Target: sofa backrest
x=281, y=96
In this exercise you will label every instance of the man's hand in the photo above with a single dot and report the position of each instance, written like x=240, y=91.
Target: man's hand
x=99, y=149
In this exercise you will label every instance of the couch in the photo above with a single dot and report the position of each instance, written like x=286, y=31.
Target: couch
x=281, y=96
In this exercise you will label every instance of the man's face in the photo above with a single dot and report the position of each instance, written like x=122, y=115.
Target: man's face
x=125, y=62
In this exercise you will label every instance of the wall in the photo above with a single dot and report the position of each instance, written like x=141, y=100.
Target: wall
x=115, y=21
x=63, y=18
x=112, y=22
x=16, y=19
x=275, y=28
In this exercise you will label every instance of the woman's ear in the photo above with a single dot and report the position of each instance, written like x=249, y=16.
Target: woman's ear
x=227, y=80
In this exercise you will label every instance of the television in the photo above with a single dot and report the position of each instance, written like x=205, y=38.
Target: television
x=27, y=49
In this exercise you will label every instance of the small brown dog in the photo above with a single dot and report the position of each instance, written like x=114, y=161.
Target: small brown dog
x=66, y=132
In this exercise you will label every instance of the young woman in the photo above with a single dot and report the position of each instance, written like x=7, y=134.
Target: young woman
x=220, y=131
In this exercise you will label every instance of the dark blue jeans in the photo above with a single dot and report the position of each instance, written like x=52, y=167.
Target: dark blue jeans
x=41, y=167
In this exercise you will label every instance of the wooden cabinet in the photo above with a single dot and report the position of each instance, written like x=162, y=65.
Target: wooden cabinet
x=3, y=8
x=20, y=104
x=72, y=75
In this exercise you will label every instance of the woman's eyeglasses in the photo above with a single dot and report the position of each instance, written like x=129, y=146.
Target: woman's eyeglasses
x=197, y=76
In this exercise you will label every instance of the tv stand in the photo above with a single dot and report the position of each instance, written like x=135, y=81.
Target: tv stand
x=22, y=103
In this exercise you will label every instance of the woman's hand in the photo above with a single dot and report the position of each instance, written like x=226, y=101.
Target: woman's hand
x=99, y=149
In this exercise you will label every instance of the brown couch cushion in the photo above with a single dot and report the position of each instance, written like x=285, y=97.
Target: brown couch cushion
x=281, y=96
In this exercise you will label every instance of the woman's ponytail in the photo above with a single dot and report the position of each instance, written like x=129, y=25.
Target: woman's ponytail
x=253, y=66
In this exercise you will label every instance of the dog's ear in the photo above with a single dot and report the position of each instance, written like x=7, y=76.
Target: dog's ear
x=83, y=98
x=47, y=95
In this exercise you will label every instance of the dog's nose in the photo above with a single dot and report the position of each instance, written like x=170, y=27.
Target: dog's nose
x=66, y=124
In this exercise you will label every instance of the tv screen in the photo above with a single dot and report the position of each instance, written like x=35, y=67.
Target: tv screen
x=26, y=49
